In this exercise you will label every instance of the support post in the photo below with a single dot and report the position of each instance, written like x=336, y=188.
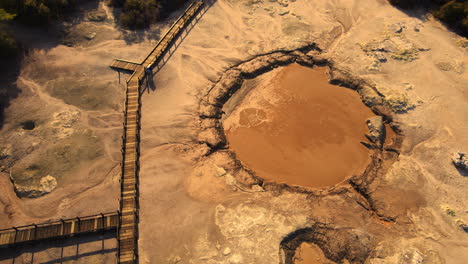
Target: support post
x=35, y=232
x=16, y=235
x=62, y=231
x=102, y=221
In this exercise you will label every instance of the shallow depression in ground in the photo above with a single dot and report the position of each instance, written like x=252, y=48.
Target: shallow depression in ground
x=292, y=126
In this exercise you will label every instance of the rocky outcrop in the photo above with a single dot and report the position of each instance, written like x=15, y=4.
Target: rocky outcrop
x=399, y=103
x=63, y=123
x=376, y=133
x=46, y=185
x=212, y=138
x=460, y=160
x=392, y=44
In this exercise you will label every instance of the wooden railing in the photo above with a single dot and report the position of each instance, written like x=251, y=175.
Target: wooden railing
x=60, y=228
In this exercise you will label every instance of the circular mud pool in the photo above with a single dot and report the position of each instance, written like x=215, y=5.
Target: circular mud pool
x=290, y=125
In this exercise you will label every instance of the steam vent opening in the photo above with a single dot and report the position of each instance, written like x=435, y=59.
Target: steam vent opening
x=291, y=126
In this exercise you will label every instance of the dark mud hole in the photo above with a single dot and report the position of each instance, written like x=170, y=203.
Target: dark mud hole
x=28, y=125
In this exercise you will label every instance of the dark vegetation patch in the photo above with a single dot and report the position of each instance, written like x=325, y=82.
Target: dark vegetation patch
x=137, y=14
x=453, y=13
x=38, y=12
x=30, y=12
x=8, y=46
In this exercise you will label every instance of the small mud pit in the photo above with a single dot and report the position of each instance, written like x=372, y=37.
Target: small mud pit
x=290, y=125
x=28, y=125
x=310, y=254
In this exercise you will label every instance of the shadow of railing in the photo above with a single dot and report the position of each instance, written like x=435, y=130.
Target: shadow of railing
x=172, y=48
x=17, y=252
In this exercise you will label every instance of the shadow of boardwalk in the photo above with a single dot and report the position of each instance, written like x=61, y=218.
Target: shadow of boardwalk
x=94, y=247
x=172, y=48
x=10, y=69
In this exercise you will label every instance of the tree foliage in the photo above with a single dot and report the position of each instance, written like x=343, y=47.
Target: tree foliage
x=37, y=11
x=142, y=13
x=8, y=46
x=5, y=16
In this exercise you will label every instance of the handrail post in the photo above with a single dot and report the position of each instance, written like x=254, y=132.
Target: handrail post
x=35, y=232
x=16, y=235
x=102, y=221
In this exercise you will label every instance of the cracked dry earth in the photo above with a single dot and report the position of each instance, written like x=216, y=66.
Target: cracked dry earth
x=200, y=203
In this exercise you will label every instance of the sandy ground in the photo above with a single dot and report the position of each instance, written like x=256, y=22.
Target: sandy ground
x=190, y=215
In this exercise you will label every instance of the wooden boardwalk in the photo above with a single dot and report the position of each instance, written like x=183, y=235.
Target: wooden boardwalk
x=128, y=230
x=61, y=228
x=126, y=219
x=124, y=65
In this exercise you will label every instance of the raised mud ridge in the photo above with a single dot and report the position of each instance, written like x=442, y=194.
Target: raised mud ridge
x=330, y=239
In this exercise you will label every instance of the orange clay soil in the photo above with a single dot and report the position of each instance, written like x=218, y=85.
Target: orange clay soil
x=307, y=133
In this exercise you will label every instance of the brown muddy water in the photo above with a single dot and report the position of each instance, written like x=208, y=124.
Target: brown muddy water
x=310, y=254
x=292, y=126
